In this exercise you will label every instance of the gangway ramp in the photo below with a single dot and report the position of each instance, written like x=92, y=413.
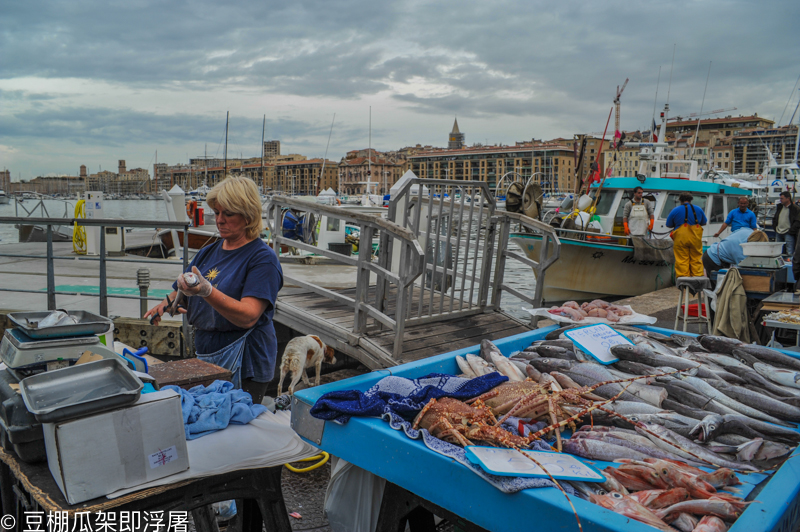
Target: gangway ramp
x=435, y=284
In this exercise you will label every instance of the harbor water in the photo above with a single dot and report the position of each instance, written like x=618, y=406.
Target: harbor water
x=517, y=275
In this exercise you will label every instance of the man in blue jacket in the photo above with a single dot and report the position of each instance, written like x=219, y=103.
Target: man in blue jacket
x=738, y=218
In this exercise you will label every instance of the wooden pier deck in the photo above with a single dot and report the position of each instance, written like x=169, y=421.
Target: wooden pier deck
x=310, y=313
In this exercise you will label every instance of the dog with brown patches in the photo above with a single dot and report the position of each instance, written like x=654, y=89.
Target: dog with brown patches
x=300, y=353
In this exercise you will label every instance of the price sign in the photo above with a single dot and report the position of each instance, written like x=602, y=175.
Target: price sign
x=597, y=340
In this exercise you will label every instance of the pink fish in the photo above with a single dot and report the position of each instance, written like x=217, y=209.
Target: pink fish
x=628, y=507
x=710, y=523
x=657, y=499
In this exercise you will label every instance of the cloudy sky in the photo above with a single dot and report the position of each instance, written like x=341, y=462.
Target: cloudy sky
x=94, y=81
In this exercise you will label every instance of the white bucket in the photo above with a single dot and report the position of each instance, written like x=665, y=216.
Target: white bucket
x=582, y=220
x=585, y=202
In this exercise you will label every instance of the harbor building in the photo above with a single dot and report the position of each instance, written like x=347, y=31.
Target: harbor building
x=5, y=179
x=721, y=155
x=750, y=148
x=551, y=164
x=272, y=148
x=456, y=139
x=360, y=167
x=134, y=181
x=713, y=128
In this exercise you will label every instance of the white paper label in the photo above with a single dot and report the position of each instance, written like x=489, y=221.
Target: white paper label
x=597, y=340
x=57, y=364
x=163, y=457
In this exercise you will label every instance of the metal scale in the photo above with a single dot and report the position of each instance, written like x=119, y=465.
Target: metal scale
x=769, y=263
x=26, y=350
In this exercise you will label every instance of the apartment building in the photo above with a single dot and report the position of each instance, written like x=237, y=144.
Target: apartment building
x=750, y=148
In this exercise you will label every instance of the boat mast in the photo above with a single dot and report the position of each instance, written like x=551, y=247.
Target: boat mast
x=655, y=102
x=263, y=130
x=205, y=158
x=325, y=158
x=797, y=135
x=225, y=174
x=369, y=159
x=702, y=103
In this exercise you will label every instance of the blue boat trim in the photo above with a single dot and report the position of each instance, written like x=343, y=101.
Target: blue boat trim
x=671, y=185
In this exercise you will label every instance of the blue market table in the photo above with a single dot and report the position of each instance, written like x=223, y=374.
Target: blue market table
x=440, y=482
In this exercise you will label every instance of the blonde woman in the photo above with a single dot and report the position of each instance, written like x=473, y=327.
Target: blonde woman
x=728, y=251
x=232, y=306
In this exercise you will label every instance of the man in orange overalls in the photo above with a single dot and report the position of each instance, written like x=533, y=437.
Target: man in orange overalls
x=687, y=236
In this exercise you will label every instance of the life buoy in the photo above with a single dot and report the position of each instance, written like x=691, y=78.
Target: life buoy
x=338, y=201
x=191, y=207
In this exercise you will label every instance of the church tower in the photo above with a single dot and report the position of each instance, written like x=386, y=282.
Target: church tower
x=456, y=139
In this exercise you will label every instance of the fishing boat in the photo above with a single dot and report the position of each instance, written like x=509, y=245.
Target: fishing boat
x=4, y=200
x=602, y=262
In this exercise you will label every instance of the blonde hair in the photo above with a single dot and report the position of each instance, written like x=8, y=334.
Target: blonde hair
x=758, y=236
x=239, y=195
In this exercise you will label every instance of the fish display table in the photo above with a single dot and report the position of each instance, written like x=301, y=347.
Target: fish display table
x=371, y=444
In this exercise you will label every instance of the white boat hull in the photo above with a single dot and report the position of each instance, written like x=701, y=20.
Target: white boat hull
x=586, y=271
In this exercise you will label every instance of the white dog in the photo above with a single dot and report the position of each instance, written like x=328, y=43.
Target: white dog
x=300, y=353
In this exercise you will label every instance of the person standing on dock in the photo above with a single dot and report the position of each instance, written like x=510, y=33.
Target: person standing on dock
x=233, y=316
x=738, y=218
x=637, y=215
x=786, y=222
x=687, y=221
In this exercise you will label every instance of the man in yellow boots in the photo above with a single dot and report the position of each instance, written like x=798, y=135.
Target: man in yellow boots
x=687, y=221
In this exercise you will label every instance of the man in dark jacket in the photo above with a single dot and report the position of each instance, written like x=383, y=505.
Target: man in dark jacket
x=786, y=222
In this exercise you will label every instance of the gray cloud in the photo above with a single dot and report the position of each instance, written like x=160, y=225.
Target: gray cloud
x=517, y=69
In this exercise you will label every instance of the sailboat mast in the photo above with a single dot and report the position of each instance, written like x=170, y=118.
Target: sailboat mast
x=205, y=158
x=227, y=115
x=369, y=159
x=263, y=130
x=325, y=158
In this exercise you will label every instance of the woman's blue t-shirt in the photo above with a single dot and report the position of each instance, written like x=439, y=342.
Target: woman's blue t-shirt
x=252, y=270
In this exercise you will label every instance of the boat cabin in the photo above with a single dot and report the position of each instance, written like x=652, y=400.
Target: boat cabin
x=715, y=199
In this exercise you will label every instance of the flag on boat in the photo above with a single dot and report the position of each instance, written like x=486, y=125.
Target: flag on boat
x=655, y=137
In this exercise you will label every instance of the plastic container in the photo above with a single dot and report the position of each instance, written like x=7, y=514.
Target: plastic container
x=20, y=432
x=693, y=310
x=762, y=249
x=582, y=221
x=584, y=202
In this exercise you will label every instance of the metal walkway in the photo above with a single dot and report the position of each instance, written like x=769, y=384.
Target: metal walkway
x=435, y=285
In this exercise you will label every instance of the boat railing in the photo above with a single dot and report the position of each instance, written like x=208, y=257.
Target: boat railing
x=50, y=224
x=370, y=308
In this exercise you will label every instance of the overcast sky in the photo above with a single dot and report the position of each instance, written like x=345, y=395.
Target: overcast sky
x=94, y=81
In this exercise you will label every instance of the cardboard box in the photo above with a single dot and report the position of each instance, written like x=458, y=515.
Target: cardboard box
x=93, y=456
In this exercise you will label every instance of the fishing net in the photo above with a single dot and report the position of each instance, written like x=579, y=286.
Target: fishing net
x=652, y=249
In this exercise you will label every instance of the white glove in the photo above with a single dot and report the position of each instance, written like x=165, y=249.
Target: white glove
x=196, y=286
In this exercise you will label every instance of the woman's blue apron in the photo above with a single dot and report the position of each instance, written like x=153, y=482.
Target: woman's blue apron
x=230, y=358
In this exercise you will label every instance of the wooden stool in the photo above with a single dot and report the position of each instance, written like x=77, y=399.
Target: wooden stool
x=687, y=285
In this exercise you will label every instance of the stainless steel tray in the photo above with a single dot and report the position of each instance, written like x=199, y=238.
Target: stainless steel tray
x=79, y=391
x=20, y=340
x=88, y=323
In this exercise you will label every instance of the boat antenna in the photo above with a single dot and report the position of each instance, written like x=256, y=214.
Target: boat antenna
x=671, y=68
x=788, y=101
x=655, y=102
x=325, y=158
x=702, y=103
x=227, y=115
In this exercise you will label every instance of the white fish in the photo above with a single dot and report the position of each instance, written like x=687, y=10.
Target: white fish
x=785, y=377
x=479, y=366
x=465, y=368
x=506, y=368
x=722, y=360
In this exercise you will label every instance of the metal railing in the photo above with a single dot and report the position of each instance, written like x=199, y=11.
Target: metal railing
x=441, y=255
x=366, y=307
x=50, y=257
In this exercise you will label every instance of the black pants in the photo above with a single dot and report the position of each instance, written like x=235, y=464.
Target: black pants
x=710, y=265
x=255, y=389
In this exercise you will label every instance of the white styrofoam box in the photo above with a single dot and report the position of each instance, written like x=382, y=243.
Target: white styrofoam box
x=93, y=456
x=762, y=249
